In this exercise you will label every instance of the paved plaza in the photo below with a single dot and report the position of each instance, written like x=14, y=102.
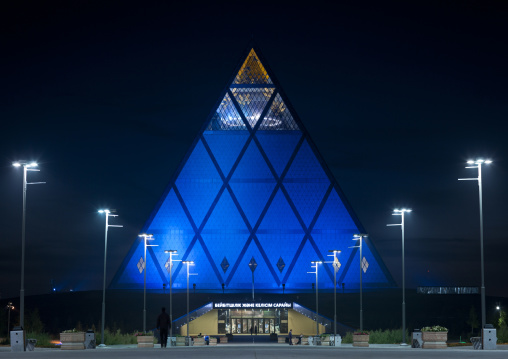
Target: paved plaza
x=260, y=351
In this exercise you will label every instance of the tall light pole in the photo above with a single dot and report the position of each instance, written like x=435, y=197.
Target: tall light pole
x=146, y=238
x=478, y=164
x=360, y=238
x=336, y=266
x=400, y=212
x=169, y=267
x=253, y=265
x=315, y=264
x=27, y=166
x=108, y=214
x=189, y=263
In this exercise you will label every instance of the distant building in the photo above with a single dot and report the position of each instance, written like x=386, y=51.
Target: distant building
x=253, y=188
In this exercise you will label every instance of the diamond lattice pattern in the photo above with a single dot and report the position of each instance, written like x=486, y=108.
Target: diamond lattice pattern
x=278, y=117
x=252, y=72
x=226, y=117
x=252, y=101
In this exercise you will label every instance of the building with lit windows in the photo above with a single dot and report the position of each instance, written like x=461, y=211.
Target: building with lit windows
x=253, y=192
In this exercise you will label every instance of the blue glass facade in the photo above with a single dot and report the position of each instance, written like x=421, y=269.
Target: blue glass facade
x=252, y=186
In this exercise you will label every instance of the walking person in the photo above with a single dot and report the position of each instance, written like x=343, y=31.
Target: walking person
x=163, y=324
x=290, y=335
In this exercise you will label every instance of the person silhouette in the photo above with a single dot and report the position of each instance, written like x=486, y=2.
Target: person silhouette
x=163, y=324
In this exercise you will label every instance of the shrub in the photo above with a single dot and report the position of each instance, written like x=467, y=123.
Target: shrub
x=348, y=339
x=502, y=334
x=43, y=339
x=435, y=328
x=112, y=338
x=388, y=336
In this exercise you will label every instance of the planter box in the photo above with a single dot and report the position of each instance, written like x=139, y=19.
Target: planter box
x=361, y=340
x=281, y=340
x=212, y=341
x=72, y=341
x=180, y=341
x=223, y=340
x=434, y=340
x=199, y=342
x=145, y=341
x=305, y=341
x=325, y=341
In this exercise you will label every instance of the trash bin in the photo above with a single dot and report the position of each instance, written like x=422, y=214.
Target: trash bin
x=17, y=339
x=90, y=339
x=310, y=340
x=335, y=340
x=417, y=341
x=188, y=341
x=489, y=337
x=30, y=344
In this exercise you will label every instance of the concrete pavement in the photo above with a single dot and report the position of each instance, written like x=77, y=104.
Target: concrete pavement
x=260, y=351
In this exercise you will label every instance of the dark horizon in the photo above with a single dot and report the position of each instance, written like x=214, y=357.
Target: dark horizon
x=397, y=97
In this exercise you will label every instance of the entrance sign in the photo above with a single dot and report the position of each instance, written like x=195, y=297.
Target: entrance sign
x=222, y=305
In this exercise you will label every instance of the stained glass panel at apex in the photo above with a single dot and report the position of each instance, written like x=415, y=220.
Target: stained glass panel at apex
x=252, y=72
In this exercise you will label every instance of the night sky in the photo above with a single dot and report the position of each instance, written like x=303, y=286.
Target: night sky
x=396, y=95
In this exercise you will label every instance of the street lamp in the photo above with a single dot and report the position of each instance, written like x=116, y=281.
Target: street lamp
x=169, y=268
x=253, y=265
x=189, y=263
x=146, y=238
x=108, y=214
x=401, y=212
x=478, y=164
x=315, y=264
x=336, y=266
x=27, y=166
x=355, y=238
x=9, y=307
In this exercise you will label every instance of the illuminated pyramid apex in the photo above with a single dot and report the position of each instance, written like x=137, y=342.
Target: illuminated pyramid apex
x=252, y=72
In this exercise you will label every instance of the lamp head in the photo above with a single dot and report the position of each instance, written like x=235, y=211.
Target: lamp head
x=479, y=161
x=104, y=211
x=334, y=251
x=170, y=251
x=359, y=236
x=407, y=210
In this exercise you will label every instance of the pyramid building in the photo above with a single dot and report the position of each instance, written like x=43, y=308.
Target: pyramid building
x=252, y=192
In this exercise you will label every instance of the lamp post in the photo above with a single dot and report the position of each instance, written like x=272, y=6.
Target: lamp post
x=400, y=212
x=315, y=264
x=336, y=266
x=172, y=252
x=27, y=166
x=478, y=164
x=108, y=214
x=9, y=308
x=360, y=237
x=146, y=238
x=253, y=265
x=189, y=263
